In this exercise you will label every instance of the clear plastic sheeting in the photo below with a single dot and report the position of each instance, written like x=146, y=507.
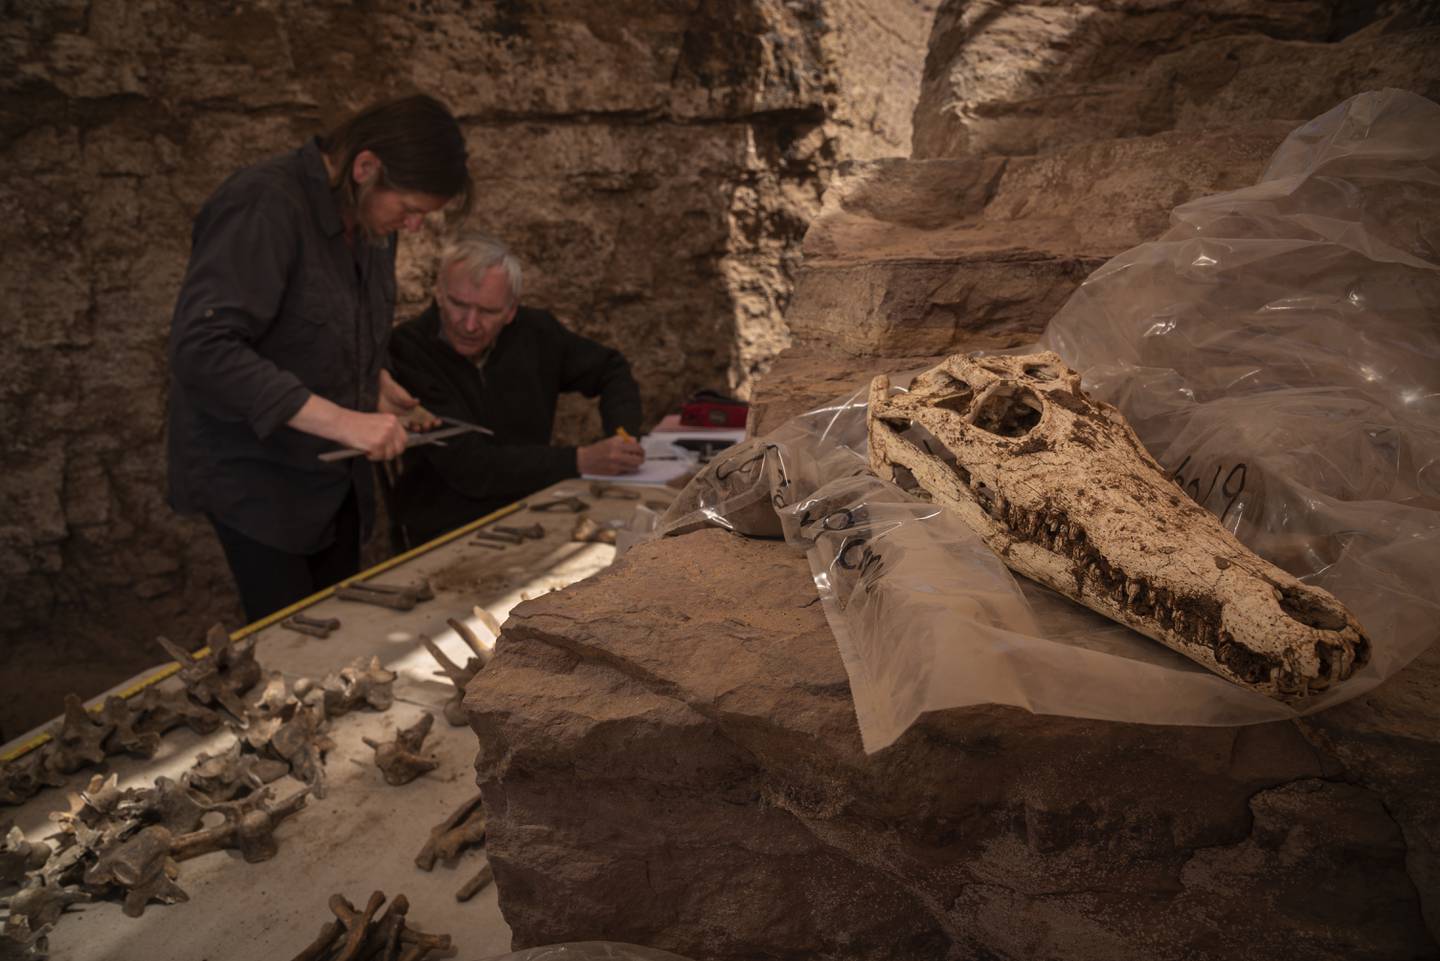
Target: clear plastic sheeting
x=1278, y=350
x=589, y=951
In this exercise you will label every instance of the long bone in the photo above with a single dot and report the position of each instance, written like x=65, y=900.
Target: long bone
x=1060, y=487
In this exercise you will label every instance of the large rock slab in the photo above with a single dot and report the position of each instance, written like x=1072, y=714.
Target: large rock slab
x=669, y=756
x=920, y=257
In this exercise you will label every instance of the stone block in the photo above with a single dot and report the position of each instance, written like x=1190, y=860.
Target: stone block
x=1020, y=78
x=912, y=258
x=665, y=764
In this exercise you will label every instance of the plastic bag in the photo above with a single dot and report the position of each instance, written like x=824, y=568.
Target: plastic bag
x=1277, y=349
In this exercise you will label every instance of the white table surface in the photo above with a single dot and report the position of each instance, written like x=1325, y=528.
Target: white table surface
x=364, y=835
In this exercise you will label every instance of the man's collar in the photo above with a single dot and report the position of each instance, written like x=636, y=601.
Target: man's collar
x=317, y=186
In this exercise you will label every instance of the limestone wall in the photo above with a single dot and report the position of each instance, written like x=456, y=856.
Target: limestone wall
x=1028, y=76
x=1050, y=136
x=655, y=163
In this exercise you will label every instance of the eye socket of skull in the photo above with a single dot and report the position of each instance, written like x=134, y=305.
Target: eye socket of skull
x=957, y=403
x=950, y=392
x=1009, y=411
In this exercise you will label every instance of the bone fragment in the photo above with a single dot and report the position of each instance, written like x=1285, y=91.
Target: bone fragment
x=476, y=884
x=305, y=627
x=79, y=740
x=19, y=856
x=221, y=677
x=1060, y=487
x=25, y=776
x=249, y=828
x=326, y=623
x=572, y=504
x=124, y=736
x=587, y=530
x=459, y=676
x=301, y=742
x=357, y=924
x=142, y=866
x=319, y=949
x=421, y=591
x=488, y=619
x=464, y=828
x=36, y=907
x=532, y=532
x=161, y=710
x=102, y=796
x=23, y=944
x=601, y=490
x=354, y=592
x=390, y=927
x=361, y=935
x=268, y=699
x=400, y=760
x=169, y=804
x=84, y=832
x=363, y=684
x=499, y=537
x=221, y=777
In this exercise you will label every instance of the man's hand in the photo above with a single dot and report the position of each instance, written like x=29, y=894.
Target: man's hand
x=613, y=455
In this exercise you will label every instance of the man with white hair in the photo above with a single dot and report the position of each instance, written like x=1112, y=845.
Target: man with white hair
x=477, y=355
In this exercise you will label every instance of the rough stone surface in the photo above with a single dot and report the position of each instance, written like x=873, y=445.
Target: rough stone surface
x=1011, y=77
x=665, y=766
x=655, y=163
x=926, y=257
x=669, y=752
x=806, y=376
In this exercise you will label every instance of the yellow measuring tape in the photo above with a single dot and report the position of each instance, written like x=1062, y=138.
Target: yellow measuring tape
x=173, y=667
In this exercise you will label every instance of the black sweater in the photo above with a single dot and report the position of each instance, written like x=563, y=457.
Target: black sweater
x=533, y=360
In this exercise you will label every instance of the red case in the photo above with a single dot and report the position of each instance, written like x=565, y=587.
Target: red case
x=712, y=413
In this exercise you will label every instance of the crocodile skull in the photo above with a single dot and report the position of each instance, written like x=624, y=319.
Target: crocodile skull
x=1059, y=486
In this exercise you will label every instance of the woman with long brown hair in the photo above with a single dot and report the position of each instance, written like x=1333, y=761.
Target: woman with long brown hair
x=279, y=339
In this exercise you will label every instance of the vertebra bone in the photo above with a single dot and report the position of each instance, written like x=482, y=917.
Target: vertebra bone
x=1059, y=486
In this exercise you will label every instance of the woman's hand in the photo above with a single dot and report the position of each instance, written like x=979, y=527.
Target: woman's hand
x=380, y=435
